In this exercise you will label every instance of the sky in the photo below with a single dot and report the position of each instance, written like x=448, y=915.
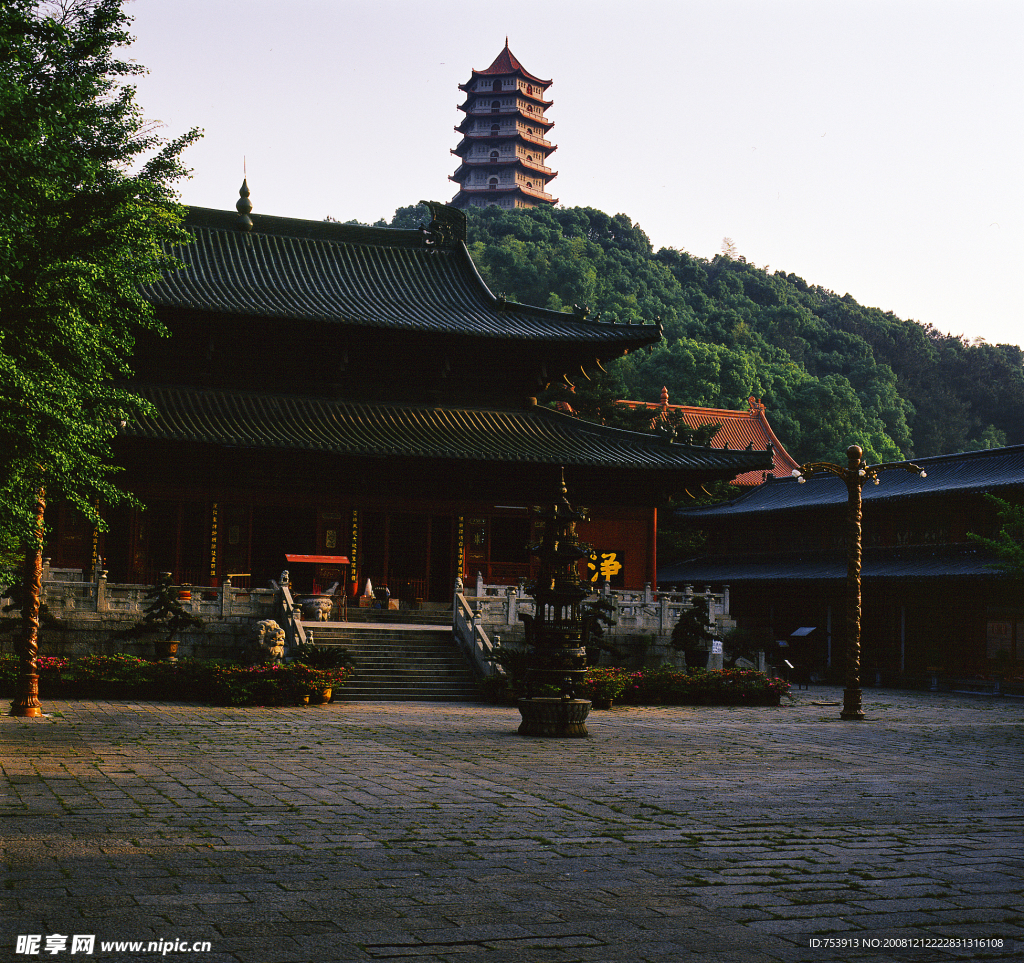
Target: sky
x=872, y=148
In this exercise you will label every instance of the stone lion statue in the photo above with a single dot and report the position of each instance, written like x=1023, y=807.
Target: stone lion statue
x=266, y=644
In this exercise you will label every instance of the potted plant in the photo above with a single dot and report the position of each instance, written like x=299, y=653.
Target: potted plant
x=165, y=614
x=693, y=634
x=330, y=665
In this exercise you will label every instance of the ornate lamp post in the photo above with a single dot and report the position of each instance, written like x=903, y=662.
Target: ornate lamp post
x=855, y=474
x=26, y=703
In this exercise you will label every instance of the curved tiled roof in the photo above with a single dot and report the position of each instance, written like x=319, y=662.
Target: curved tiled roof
x=506, y=63
x=917, y=562
x=371, y=277
x=737, y=430
x=974, y=472
x=533, y=435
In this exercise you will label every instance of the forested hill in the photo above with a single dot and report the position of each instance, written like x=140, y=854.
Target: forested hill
x=831, y=371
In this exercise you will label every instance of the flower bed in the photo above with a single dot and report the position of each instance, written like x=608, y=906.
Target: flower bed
x=649, y=687
x=187, y=680
x=725, y=687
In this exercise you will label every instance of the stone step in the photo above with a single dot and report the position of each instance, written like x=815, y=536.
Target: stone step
x=383, y=636
x=397, y=616
x=401, y=663
x=382, y=693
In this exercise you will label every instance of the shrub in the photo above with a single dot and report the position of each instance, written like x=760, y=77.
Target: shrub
x=604, y=685
x=665, y=686
x=187, y=680
x=727, y=687
x=325, y=657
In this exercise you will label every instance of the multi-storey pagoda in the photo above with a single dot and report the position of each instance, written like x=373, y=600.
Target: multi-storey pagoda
x=504, y=148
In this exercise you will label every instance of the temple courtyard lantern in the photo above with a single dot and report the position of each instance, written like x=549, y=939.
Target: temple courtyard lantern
x=557, y=632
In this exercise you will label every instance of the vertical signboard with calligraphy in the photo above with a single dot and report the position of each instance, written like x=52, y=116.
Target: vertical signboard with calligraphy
x=213, y=545
x=353, y=552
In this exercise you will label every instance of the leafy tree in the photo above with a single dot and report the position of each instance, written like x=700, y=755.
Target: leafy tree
x=86, y=212
x=733, y=329
x=1008, y=544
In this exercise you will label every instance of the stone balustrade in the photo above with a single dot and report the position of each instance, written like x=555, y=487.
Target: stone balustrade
x=643, y=612
x=66, y=595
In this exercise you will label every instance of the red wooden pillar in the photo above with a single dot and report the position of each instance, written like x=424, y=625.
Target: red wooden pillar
x=653, y=563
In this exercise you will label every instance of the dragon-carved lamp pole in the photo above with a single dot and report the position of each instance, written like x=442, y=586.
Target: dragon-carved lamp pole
x=855, y=474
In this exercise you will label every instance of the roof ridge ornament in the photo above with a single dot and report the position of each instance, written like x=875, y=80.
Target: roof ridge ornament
x=244, y=207
x=448, y=227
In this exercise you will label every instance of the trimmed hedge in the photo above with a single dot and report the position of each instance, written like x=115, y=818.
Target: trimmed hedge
x=722, y=687
x=665, y=686
x=186, y=680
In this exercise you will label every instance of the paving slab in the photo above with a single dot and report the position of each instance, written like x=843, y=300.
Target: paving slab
x=430, y=831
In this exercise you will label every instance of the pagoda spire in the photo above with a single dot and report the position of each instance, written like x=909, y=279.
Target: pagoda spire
x=505, y=145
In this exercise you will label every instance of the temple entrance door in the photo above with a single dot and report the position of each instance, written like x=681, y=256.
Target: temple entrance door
x=408, y=556
x=235, y=555
x=278, y=530
x=477, y=531
x=156, y=545
x=396, y=551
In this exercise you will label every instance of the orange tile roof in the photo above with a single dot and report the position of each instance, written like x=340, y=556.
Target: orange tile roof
x=506, y=63
x=739, y=429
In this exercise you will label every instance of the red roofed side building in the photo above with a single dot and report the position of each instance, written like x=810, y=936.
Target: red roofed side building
x=503, y=154
x=739, y=430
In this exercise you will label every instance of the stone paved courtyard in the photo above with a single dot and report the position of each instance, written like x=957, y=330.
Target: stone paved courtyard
x=383, y=831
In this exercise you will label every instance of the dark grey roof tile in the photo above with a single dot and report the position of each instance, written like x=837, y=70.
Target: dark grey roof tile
x=532, y=435
x=991, y=470
x=372, y=277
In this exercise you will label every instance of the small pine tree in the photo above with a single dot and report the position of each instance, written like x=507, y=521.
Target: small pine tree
x=165, y=613
x=694, y=630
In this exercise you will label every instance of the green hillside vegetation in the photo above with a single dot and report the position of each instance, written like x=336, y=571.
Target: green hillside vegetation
x=831, y=371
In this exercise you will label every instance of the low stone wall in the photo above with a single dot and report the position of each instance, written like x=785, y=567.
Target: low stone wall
x=644, y=652
x=94, y=634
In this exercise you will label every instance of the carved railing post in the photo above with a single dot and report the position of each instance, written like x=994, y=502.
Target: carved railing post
x=101, y=591
x=225, y=598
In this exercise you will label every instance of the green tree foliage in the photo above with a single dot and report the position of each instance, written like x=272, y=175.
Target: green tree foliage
x=86, y=206
x=1008, y=543
x=831, y=371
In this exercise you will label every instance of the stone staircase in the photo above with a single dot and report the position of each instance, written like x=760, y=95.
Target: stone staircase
x=409, y=657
